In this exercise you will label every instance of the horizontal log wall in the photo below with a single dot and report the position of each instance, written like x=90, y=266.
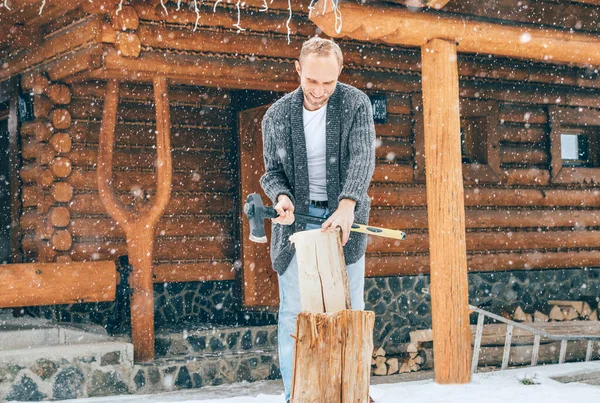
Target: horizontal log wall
x=520, y=221
x=196, y=236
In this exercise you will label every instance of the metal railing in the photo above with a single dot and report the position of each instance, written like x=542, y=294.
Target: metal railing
x=537, y=336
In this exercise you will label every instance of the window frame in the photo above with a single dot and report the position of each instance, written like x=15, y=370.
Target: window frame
x=565, y=120
x=473, y=172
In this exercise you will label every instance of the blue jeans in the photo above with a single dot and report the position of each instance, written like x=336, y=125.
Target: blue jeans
x=289, y=304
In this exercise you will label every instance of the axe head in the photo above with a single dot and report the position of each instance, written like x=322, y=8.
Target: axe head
x=257, y=212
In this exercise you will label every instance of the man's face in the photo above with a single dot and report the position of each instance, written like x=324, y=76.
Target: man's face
x=318, y=77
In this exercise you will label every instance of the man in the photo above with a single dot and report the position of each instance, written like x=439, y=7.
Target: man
x=319, y=151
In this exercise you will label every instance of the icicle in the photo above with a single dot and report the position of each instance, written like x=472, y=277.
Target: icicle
x=287, y=24
x=42, y=6
x=237, y=25
x=164, y=7
x=119, y=8
x=215, y=6
x=197, y=14
x=338, y=16
x=6, y=5
x=178, y=5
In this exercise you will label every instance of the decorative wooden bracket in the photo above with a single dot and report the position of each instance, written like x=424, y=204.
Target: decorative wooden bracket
x=139, y=224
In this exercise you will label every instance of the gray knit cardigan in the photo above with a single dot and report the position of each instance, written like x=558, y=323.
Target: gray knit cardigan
x=350, y=151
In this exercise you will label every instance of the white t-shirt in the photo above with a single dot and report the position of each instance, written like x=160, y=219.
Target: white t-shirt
x=314, y=131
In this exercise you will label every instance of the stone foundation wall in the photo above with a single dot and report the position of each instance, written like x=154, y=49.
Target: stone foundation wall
x=401, y=304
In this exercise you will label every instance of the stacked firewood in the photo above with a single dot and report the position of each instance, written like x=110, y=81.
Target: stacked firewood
x=409, y=361
x=556, y=311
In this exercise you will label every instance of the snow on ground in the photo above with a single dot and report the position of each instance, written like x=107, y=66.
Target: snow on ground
x=490, y=387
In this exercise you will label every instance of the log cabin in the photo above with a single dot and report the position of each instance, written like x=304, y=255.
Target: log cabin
x=134, y=126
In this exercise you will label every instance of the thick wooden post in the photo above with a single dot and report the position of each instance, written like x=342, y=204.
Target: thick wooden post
x=139, y=226
x=446, y=213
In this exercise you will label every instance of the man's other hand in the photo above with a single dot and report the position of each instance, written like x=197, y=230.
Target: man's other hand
x=343, y=217
x=285, y=209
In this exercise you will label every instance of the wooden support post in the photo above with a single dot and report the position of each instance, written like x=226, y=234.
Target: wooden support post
x=446, y=213
x=139, y=226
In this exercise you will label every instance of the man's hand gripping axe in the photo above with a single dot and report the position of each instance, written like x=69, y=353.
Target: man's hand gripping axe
x=257, y=213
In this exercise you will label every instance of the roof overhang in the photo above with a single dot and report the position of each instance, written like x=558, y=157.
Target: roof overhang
x=401, y=26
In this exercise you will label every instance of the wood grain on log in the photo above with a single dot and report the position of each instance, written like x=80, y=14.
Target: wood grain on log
x=48, y=284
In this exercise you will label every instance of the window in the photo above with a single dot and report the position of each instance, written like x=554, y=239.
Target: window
x=579, y=149
x=575, y=138
x=478, y=137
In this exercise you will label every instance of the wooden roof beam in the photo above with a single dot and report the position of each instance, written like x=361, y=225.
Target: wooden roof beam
x=401, y=26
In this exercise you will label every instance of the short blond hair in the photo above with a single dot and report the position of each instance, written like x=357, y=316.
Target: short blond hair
x=321, y=47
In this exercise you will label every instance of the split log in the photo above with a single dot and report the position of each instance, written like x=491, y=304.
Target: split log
x=380, y=370
x=556, y=314
x=379, y=352
x=420, y=336
x=593, y=316
x=345, y=337
x=570, y=313
x=540, y=317
x=578, y=305
x=519, y=315
x=586, y=310
x=392, y=366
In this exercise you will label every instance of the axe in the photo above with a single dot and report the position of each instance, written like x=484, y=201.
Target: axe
x=257, y=213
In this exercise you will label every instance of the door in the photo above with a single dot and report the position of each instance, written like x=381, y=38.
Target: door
x=260, y=280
